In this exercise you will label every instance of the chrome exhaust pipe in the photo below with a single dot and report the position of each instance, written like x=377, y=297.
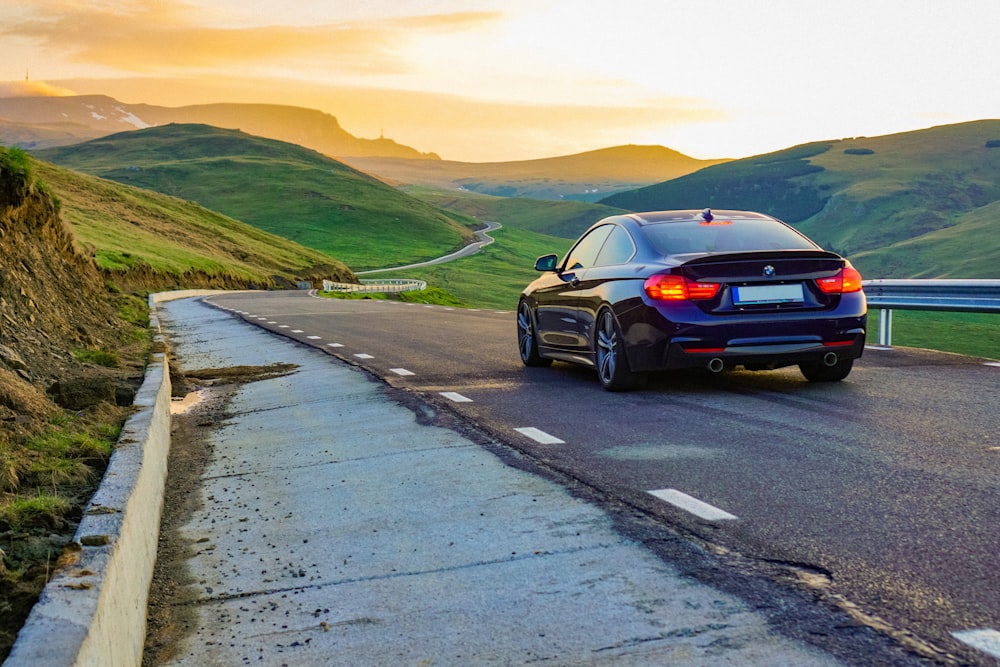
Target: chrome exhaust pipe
x=830, y=358
x=715, y=365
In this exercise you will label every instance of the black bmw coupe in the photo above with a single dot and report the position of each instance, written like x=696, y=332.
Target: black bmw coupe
x=679, y=289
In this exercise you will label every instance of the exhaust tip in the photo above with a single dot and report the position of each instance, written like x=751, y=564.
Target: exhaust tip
x=830, y=358
x=715, y=365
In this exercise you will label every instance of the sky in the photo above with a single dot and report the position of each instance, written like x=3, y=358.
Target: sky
x=495, y=80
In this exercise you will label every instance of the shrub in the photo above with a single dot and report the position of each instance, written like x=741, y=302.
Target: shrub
x=16, y=161
x=858, y=151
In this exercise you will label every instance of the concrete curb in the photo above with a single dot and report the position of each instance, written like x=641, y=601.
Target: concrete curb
x=93, y=611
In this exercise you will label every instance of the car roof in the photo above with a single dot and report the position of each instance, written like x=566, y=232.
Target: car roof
x=653, y=217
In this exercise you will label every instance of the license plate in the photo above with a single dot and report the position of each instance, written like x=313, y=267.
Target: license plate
x=757, y=294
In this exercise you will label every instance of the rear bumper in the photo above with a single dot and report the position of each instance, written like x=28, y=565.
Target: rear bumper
x=771, y=355
x=657, y=343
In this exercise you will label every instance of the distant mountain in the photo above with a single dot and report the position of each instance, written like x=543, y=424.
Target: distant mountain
x=281, y=188
x=586, y=176
x=37, y=123
x=44, y=122
x=911, y=205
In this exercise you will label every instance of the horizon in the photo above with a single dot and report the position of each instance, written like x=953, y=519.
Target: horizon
x=490, y=81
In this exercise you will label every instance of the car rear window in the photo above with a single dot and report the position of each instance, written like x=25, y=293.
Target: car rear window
x=674, y=238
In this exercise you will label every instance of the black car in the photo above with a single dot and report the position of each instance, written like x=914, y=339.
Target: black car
x=681, y=289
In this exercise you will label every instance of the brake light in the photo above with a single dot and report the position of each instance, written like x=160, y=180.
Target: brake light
x=847, y=280
x=678, y=288
x=852, y=279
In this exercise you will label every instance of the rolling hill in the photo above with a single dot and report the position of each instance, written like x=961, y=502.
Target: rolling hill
x=916, y=204
x=281, y=188
x=45, y=122
x=145, y=241
x=37, y=123
x=585, y=176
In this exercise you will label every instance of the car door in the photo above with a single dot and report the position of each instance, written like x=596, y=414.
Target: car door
x=597, y=282
x=558, y=301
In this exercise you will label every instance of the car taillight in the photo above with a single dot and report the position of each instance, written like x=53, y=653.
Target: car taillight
x=847, y=280
x=852, y=279
x=678, y=288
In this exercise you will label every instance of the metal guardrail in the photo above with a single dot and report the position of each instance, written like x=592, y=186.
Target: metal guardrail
x=969, y=296
x=375, y=286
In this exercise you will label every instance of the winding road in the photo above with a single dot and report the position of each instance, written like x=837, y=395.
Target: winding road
x=471, y=249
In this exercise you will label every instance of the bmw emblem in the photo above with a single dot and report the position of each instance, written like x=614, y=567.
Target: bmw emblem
x=768, y=271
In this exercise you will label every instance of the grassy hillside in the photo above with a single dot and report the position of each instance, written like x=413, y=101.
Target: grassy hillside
x=565, y=219
x=585, y=176
x=916, y=204
x=494, y=277
x=147, y=239
x=280, y=188
x=969, y=248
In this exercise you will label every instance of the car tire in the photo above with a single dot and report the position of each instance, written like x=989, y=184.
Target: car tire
x=527, y=337
x=818, y=372
x=612, y=363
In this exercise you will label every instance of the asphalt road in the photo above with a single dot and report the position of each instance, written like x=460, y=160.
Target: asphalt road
x=880, y=492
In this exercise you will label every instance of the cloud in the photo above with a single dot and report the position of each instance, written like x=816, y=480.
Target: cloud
x=148, y=38
x=32, y=89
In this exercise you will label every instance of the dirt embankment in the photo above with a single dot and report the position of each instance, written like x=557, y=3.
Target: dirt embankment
x=56, y=319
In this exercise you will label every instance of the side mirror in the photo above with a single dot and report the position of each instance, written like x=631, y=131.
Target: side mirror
x=546, y=263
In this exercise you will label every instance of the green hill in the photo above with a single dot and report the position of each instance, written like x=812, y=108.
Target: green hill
x=281, y=188
x=144, y=240
x=915, y=204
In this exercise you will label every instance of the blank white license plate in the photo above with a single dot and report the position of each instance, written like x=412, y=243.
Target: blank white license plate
x=753, y=294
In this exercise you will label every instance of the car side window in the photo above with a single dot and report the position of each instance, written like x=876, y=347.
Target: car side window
x=618, y=248
x=584, y=253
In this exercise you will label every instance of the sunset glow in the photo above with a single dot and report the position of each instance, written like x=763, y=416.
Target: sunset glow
x=485, y=80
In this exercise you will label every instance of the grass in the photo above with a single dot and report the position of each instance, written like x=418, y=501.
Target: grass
x=99, y=357
x=495, y=276
x=72, y=451
x=432, y=296
x=41, y=510
x=972, y=334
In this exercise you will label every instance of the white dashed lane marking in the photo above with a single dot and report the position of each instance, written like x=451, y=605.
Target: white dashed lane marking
x=401, y=371
x=334, y=345
x=693, y=505
x=539, y=436
x=314, y=337
x=364, y=356
x=986, y=640
x=296, y=330
x=455, y=397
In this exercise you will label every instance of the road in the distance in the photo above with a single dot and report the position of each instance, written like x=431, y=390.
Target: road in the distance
x=883, y=490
